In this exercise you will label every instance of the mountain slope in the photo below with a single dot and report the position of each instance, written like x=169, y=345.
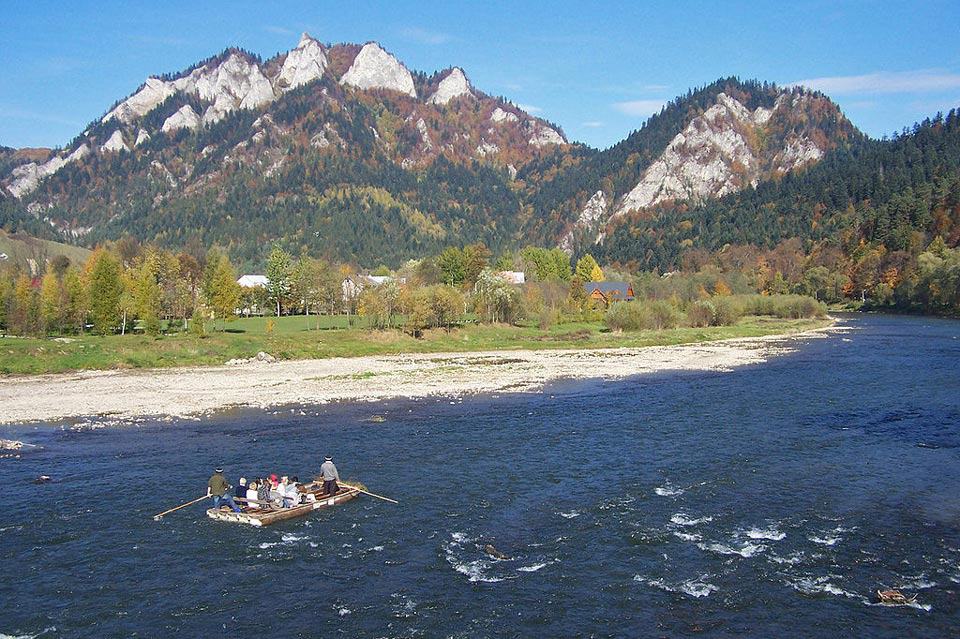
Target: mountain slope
x=240, y=152
x=342, y=151
x=896, y=194
x=717, y=140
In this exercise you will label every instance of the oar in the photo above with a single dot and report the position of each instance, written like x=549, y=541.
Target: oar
x=367, y=492
x=159, y=516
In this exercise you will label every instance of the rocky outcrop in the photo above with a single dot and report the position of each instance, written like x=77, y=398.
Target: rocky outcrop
x=500, y=115
x=542, y=135
x=593, y=213
x=236, y=80
x=153, y=92
x=26, y=177
x=303, y=65
x=115, y=143
x=453, y=85
x=236, y=83
x=485, y=148
x=185, y=118
x=718, y=153
x=374, y=68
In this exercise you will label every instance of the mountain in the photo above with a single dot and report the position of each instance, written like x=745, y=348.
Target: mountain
x=240, y=152
x=873, y=202
x=720, y=139
x=342, y=151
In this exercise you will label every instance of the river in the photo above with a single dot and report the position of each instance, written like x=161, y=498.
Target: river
x=769, y=501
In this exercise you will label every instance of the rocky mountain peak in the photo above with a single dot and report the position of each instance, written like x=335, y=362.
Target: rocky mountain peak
x=453, y=85
x=718, y=153
x=374, y=68
x=305, y=63
x=731, y=136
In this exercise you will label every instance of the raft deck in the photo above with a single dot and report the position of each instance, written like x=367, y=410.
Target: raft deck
x=266, y=516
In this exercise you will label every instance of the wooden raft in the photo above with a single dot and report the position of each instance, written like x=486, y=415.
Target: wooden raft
x=266, y=516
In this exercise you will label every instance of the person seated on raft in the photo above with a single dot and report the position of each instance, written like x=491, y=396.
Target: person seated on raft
x=240, y=492
x=252, y=500
x=277, y=490
x=280, y=494
x=263, y=493
x=290, y=492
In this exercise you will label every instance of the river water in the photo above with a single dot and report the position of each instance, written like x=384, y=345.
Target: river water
x=770, y=501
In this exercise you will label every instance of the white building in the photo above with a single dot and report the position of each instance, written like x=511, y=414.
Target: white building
x=252, y=281
x=514, y=277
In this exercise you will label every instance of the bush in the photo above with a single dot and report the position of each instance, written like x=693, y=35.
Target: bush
x=783, y=306
x=700, y=314
x=660, y=315
x=625, y=316
x=726, y=311
x=649, y=315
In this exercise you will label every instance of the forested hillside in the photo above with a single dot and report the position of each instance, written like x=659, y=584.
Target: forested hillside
x=865, y=214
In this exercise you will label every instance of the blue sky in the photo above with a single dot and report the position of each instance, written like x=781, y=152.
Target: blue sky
x=598, y=69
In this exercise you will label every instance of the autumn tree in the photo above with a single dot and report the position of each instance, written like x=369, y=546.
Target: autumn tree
x=104, y=288
x=453, y=266
x=50, y=304
x=279, y=276
x=146, y=293
x=588, y=270
x=224, y=297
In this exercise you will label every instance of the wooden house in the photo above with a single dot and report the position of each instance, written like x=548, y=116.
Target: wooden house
x=607, y=293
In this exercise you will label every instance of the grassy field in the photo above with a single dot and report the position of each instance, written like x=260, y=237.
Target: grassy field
x=21, y=248
x=298, y=338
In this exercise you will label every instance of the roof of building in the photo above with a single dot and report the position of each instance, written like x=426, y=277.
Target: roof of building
x=252, y=281
x=609, y=289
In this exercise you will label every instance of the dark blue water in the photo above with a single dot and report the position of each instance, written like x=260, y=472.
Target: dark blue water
x=770, y=501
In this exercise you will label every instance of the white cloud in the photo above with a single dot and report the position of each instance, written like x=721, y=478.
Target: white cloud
x=640, y=108
x=884, y=82
x=593, y=124
x=529, y=108
x=423, y=36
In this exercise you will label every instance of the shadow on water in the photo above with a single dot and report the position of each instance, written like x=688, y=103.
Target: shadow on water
x=768, y=501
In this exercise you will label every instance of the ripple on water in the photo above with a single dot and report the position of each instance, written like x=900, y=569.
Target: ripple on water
x=695, y=587
x=682, y=519
x=746, y=551
x=668, y=490
x=536, y=567
x=39, y=635
x=457, y=553
x=770, y=533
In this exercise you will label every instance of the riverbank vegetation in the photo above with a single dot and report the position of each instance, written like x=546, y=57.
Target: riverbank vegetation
x=297, y=337
x=130, y=305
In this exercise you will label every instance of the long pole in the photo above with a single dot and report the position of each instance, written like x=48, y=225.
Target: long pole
x=159, y=516
x=367, y=492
